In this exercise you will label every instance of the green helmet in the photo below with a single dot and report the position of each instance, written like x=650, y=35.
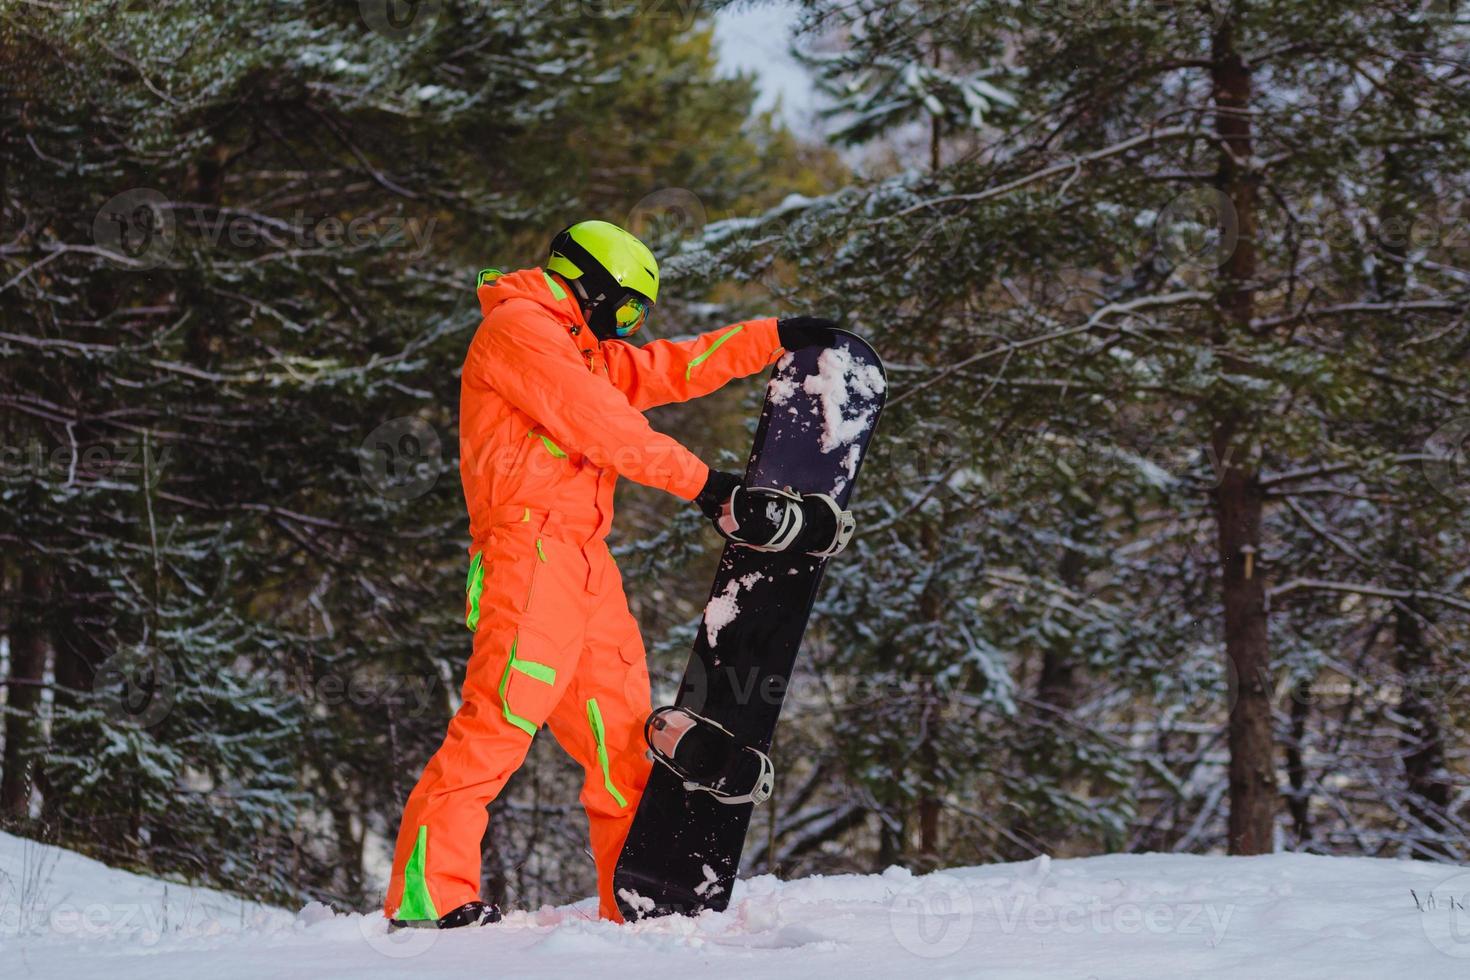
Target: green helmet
x=612, y=273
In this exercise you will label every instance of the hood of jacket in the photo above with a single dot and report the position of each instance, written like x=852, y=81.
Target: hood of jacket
x=539, y=287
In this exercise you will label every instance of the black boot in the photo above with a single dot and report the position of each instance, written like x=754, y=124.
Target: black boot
x=468, y=914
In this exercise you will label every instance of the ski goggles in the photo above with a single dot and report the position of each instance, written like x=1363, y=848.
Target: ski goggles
x=630, y=316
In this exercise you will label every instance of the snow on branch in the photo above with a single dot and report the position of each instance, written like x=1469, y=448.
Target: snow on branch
x=1091, y=323
x=1347, y=309
x=1066, y=166
x=1355, y=588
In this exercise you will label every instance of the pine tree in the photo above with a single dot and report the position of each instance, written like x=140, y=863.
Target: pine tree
x=240, y=251
x=1171, y=258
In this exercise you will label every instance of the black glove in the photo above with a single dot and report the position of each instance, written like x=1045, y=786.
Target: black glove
x=796, y=332
x=717, y=489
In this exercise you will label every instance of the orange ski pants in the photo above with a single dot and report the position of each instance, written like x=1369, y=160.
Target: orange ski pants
x=556, y=645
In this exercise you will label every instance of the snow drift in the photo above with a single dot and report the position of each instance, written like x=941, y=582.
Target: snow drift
x=1133, y=916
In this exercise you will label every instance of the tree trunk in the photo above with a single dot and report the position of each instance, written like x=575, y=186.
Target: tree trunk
x=1427, y=789
x=23, y=693
x=891, y=835
x=1253, y=790
x=931, y=805
x=1056, y=696
x=494, y=885
x=79, y=647
x=1239, y=500
x=1057, y=685
x=1300, y=801
x=936, y=125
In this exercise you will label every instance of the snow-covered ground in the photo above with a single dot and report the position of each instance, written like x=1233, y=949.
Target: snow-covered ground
x=1126, y=916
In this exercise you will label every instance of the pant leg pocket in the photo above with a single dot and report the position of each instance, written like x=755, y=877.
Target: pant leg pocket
x=533, y=681
x=501, y=581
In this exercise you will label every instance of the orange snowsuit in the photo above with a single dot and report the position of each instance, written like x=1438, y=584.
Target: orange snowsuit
x=549, y=419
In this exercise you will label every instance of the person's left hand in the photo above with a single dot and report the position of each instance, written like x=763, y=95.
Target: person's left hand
x=796, y=332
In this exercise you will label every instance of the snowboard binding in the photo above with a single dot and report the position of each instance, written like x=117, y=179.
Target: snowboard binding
x=707, y=758
x=768, y=519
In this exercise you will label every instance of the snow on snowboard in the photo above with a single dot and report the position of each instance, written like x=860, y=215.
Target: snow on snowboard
x=684, y=846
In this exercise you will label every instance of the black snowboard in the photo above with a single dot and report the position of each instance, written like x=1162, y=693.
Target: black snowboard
x=684, y=847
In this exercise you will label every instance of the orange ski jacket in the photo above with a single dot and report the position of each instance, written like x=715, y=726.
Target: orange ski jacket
x=550, y=417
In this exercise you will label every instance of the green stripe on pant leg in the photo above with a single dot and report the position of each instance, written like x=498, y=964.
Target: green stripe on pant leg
x=541, y=672
x=416, y=903
x=599, y=732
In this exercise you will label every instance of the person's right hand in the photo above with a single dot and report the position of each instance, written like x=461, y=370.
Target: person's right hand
x=717, y=491
x=776, y=520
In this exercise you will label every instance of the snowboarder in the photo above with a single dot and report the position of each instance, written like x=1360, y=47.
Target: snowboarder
x=551, y=404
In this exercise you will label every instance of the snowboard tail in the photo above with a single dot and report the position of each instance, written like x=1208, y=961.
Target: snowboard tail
x=684, y=847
